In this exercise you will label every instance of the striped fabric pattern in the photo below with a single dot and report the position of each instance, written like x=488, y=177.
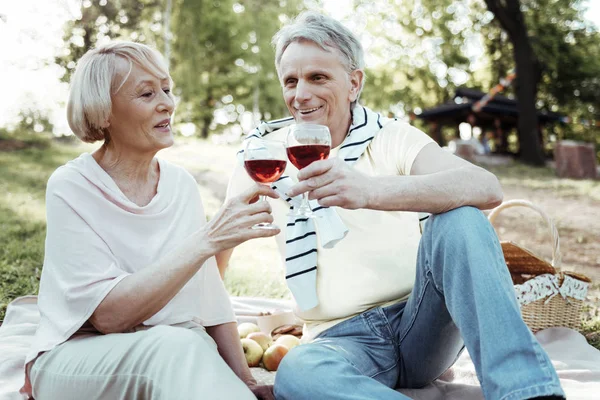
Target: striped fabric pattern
x=301, y=233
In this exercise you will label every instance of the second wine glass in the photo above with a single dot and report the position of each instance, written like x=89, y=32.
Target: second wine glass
x=307, y=143
x=265, y=161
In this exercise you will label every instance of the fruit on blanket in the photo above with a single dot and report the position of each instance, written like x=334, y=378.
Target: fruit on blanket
x=261, y=338
x=252, y=351
x=273, y=356
x=289, y=341
x=246, y=328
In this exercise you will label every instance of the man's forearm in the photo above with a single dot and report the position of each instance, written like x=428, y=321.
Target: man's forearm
x=438, y=192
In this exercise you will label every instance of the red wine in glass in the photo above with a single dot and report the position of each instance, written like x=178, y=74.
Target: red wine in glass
x=307, y=143
x=264, y=161
x=265, y=171
x=304, y=155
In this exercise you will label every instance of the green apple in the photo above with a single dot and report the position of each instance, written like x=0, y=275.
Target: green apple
x=289, y=341
x=261, y=338
x=246, y=328
x=252, y=351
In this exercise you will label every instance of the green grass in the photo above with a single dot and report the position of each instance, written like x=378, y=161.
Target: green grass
x=22, y=215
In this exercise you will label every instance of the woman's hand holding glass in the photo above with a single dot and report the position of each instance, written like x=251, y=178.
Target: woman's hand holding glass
x=231, y=224
x=265, y=162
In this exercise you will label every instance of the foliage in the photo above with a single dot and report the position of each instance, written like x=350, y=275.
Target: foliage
x=423, y=52
x=102, y=20
x=222, y=60
x=567, y=48
x=221, y=54
x=227, y=64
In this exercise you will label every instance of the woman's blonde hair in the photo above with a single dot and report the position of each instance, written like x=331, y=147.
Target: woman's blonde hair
x=97, y=78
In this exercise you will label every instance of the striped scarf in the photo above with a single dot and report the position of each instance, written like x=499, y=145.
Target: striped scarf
x=301, y=233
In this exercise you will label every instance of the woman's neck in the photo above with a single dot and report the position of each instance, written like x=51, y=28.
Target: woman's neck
x=136, y=175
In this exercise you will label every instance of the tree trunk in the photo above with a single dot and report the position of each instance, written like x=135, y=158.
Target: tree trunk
x=205, y=127
x=207, y=118
x=508, y=13
x=435, y=131
x=530, y=146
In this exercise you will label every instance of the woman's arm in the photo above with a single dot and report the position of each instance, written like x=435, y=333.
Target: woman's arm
x=228, y=342
x=139, y=296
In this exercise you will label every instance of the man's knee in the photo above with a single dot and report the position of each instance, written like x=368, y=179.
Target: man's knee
x=461, y=225
x=459, y=216
x=297, y=371
x=457, y=236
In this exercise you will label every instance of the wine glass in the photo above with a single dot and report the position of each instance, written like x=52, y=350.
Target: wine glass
x=307, y=143
x=264, y=161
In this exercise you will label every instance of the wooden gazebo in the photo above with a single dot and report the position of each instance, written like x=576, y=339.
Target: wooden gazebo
x=499, y=116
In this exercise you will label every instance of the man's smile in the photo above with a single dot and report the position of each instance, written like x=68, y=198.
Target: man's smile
x=307, y=111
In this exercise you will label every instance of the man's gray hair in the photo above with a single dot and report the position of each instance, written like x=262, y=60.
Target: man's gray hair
x=325, y=32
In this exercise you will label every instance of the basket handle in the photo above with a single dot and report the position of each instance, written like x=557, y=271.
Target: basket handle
x=556, y=256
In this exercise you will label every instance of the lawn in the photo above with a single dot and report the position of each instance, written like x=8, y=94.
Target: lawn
x=254, y=269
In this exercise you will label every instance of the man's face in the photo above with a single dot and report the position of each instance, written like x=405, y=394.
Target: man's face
x=317, y=88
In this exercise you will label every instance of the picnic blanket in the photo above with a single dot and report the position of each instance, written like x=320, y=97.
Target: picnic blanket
x=577, y=363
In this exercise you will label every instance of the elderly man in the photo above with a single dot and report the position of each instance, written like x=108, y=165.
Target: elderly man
x=384, y=306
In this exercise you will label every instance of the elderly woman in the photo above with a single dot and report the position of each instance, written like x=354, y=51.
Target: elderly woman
x=131, y=301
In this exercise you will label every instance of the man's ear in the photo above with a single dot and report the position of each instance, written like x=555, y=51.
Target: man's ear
x=356, y=80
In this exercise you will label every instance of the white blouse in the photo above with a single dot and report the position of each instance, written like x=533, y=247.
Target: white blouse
x=96, y=237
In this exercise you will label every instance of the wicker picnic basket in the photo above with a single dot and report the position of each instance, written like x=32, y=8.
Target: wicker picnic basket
x=548, y=296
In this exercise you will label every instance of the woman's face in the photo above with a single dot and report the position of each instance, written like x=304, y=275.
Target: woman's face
x=140, y=120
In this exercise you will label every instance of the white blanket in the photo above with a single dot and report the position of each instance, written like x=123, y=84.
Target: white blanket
x=577, y=363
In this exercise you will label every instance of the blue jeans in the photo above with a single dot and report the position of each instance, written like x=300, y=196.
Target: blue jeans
x=463, y=295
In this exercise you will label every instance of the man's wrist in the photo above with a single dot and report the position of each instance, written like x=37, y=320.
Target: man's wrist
x=375, y=193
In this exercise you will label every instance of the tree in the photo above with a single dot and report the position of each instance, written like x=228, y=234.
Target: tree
x=568, y=48
x=511, y=18
x=423, y=52
x=567, y=51
x=102, y=20
x=261, y=20
x=428, y=52
x=204, y=57
x=223, y=60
